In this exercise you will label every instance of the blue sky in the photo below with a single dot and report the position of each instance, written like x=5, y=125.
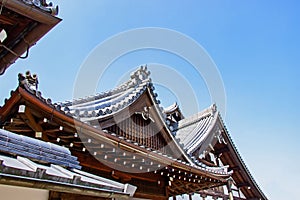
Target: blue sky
x=255, y=45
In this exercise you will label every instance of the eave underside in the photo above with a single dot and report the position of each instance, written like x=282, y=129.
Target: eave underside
x=24, y=26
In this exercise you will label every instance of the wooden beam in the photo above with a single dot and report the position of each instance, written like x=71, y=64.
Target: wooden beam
x=234, y=168
x=70, y=196
x=18, y=130
x=9, y=106
x=26, y=115
x=245, y=184
x=6, y=20
x=149, y=196
x=28, y=118
x=89, y=161
x=16, y=121
x=221, y=150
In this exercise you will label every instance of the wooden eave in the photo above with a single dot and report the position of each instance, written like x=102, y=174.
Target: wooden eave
x=25, y=25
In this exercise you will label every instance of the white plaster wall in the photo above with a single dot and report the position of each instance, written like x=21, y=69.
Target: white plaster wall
x=22, y=193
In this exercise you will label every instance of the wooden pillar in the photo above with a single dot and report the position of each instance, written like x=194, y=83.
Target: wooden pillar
x=190, y=197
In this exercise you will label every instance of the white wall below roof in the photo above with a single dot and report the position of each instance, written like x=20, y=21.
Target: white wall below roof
x=13, y=192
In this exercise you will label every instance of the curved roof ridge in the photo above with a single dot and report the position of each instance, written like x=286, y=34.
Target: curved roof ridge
x=136, y=78
x=197, y=117
x=113, y=108
x=95, y=102
x=107, y=103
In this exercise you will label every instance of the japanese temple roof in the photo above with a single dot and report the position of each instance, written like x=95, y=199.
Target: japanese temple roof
x=35, y=98
x=206, y=132
x=22, y=24
x=105, y=144
x=202, y=132
x=30, y=169
x=110, y=102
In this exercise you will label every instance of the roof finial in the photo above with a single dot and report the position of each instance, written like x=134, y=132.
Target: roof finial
x=42, y=4
x=214, y=108
x=140, y=75
x=29, y=82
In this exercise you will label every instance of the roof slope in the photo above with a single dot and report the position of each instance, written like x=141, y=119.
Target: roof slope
x=194, y=131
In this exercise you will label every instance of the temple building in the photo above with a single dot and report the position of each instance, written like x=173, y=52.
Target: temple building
x=118, y=144
x=123, y=135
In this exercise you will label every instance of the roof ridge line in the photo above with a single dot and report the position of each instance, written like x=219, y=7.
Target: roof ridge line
x=136, y=78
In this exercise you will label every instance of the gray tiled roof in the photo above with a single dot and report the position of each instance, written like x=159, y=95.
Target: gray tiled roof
x=15, y=144
x=108, y=103
x=192, y=131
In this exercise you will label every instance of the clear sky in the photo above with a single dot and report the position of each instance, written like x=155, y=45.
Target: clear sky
x=255, y=45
